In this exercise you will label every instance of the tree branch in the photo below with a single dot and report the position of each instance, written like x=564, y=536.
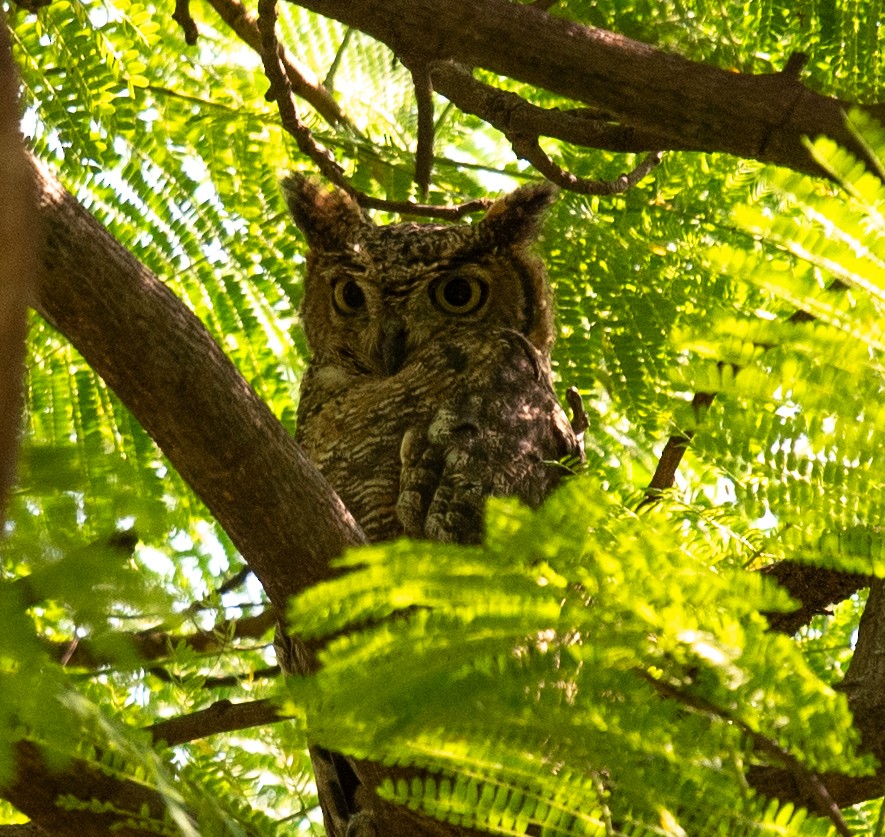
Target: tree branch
x=18, y=264
x=424, y=151
x=222, y=716
x=38, y=790
x=815, y=588
x=182, y=16
x=864, y=683
x=816, y=790
x=156, y=644
x=682, y=103
x=235, y=15
x=529, y=149
x=219, y=435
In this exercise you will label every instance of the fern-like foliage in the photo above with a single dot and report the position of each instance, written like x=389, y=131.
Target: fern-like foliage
x=798, y=421
x=579, y=670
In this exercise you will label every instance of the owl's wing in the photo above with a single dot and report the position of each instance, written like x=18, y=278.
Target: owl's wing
x=504, y=436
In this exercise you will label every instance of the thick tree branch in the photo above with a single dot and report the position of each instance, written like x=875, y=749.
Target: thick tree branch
x=18, y=264
x=38, y=790
x=162, y=363
x=683, y=104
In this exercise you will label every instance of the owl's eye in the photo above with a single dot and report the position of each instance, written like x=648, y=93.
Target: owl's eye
x=459, y=294
x=348, y=298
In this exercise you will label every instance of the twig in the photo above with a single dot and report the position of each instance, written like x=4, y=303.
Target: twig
x=805, y=777
x=674, y=450
x=155, y=643
x=226, y=682
x=280, y=91
x=329, y=80
x=234, y=581
x=424, y=151
x=232, y=680
x=529, y=149
x=580, y=421
x=448, y=213
x=665, y=474
x=794, y=66
x=222, y=716
x=182, y=16
x=234, y=14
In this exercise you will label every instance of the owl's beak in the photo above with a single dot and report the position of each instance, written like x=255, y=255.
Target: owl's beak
x=393, y=346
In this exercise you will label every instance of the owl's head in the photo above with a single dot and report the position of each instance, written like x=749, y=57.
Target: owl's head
x=376, y=294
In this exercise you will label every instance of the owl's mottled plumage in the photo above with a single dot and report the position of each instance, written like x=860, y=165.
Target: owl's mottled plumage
x=429, y=386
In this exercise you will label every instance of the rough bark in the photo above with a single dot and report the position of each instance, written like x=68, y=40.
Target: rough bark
x=864, y=683
x=662, y=100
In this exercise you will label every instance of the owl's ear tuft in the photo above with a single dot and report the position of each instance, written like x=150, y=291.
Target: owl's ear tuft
x=516, y=218
x=328, y=217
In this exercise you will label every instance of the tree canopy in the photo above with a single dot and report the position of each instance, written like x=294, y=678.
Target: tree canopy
x=685, y=639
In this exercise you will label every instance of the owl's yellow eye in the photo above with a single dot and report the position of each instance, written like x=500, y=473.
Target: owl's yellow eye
x=459, y=294
x=348, y=298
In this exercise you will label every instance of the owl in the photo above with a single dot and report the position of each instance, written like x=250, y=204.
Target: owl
x=429, y=385
x=428, y=391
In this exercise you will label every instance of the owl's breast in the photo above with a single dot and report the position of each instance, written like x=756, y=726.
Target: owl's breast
x=352, y=428
x=418, y=452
